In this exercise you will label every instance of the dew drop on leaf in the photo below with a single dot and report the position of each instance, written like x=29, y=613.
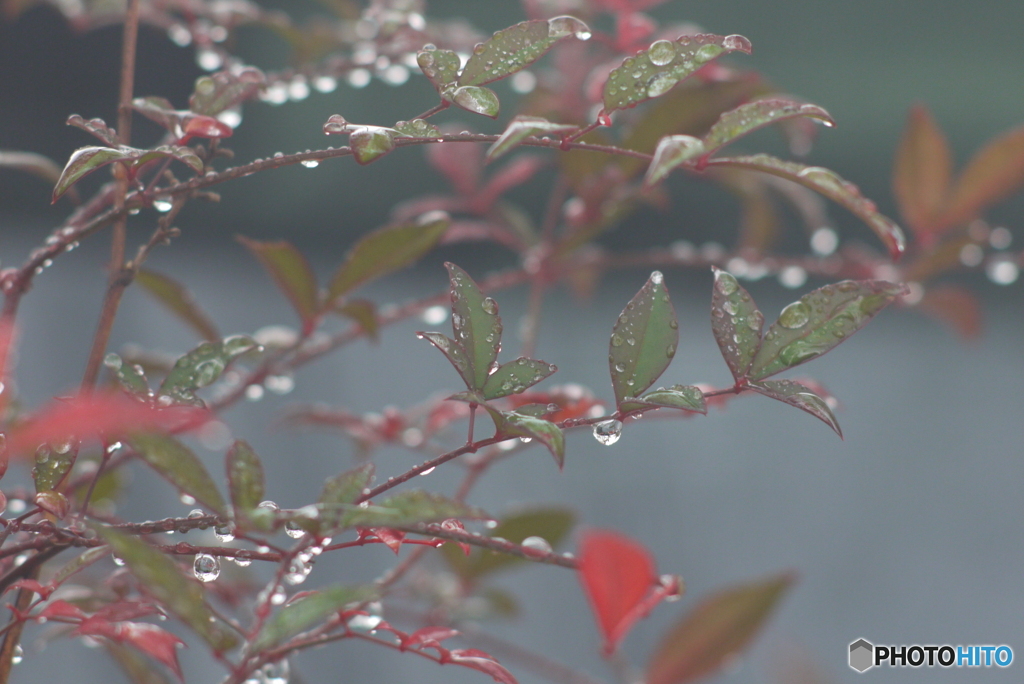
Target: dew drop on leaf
x=795, y=316
x=608, y=432
x=206, y=568
x=661, y=52
x=489, y=305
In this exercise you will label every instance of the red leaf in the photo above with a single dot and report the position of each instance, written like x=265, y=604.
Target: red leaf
x=478, y=660
x=32, y=585
x=98, y=416
x=153, y=641
x=61, y=609
x=617, y=573
x=393, y=538
x=429, y=634
x=922, y=172
x=207, y=127
x=126, y=610
x=994, y=173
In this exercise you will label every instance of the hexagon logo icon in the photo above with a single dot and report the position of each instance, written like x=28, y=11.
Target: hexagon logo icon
x=862, y=654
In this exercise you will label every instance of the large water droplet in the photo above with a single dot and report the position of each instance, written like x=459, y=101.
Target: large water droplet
x=559, y=27
x=293, y=530
x=608, y=432
x=298, y=571
x=661, y=84
x=656, y=276
x=661, y=52
x=364, y=623
x=489, y=305
x=224, y=533
x=206, y=567
x=269, y=505
x=539, y=544
x=310, y=163
x=726, y=283
x=795, y=316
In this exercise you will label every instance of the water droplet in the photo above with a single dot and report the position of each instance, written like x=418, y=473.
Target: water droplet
x=1002, y=271
x=489, y=305
x=364, y=623
x=631, y=341
x=269, y=505
x=620, y=368
x=278, y=597
x=726, y=283
x=729, y=308
x=427, y=471
x=661, y=84
x=298, y=571
x=195, y=514
x=325, y=84
x=254, y=392
x=242, y=562
x=670, y=351
x=616, y=341
x=736, y=42
x=608, y=432
x=559, y=27
x=792, y=277
x=310, y=163
x=224, y=533
x=656, y=276
x=206, y=568
x=186, y=499
x=539, y=544
x=292, y=529
x=18, y=654
x=162, y=204
x=118, y=561
x=795, y=316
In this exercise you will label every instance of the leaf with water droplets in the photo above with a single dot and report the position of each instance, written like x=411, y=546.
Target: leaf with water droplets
x=179, y=300
x=795, y=394
x=643, y=340
x=522, y=127
x=922, y=170
x=183, y=154
x=454, y=352
x=179, y=466
x=749, y=117
x=52, y=464
x=292, y=273
x=735, y=322
x=829, y=184
x=370, y=142
x=672, y=151
x=307, y=612
x=441, y=67
x=516, y=376
x=685, y=397
x=163, y=580
x=95, y=127
x=715, y=632
x=385, y=250
x=819, y=321
x=512, y=424
x=552, y=524
x=408, y=508
x=654, y=71
x=245, y=478
x=130, y=377
x=135, y=666
x=478, y=100
x=476, y=324
x=159, y=110
x=84, y=161
x=201, y=367
x=363, y=312
x=225, y=89
x=347, y=487
x=513, y=49
x=418, y=128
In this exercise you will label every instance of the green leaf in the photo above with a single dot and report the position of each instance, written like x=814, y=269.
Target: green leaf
x=551, y=524
x=735, y=322
x=441, y=67
x=995, y=172
x=685, y=397
x=922, y=170
x=751, y=116
x=183, y=154
x=201, y=367
x=478, y=100
x=225, y=89
x=52, y=464
x=516, y=376
x=408, y=508
x=654, y=71
x=182, y=468
x=522, y=127
x=829, y=184
x=385, y=250
x=715, y=632
x=455, y=353
x=672, y=152
x=795, y=394
x=84, y=161
x=512, y=424
x=95, y=127
x=245, y=478
x=363, y=312
x=819, y=321
x=417, y=128
x=476, y=324
x=135, y=666
x=370, y=142
x=78, y=563
x=292, y=273
x=163, y=580
x=347, y=487
x=179, y=300
x=512, y=49
x=643, y=340
x=130, y=377
x=308, y=611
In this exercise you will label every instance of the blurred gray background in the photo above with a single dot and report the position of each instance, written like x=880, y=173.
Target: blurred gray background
x=906, y=532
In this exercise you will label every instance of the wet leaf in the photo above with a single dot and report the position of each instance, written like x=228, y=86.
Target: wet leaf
x=654, y=71
x=162, y=579
x=53, y=503
x=441, y=67
x=617, y=574
x=160, y=111
x=424, y=635
x=363, y=312
x=201, y=367
x=30, y=162
x=225, y=89
x=84, y=161
x=478, y=660
x=795, y=394
x=516, y=376
x=306, y=612
x=179, y=300
x=52, y=464
x=183, y=154
x=685, y=397
x=922, y=170
x=819, y=321
x=829, y=184
x=551, y=524
x=512, y=424
x=135, y=666
x=292, y=273
x=347, y=487
x=202, y=126
x=514, y=48
x=736, y=323
x=522, y=127
x=386, y=250
x=179, y=466
x=994, y=173
x=643, y=340
x=145, y=638
x=715, y=632
x=418, y=128
x=95, y=127
x=79, y=562
x=455, y=354
x=672, y=152
x=370, y=142
x=478, y=100
x=245, y=478
x=749, y=117
x=476, y=324
x=408, y=508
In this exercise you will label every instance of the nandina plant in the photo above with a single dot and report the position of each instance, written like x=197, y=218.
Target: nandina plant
x=609, y=117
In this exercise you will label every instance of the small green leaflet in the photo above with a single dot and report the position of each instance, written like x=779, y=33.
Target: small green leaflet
x=477, y=99
x=225, y=89
x=512, y=424
x=551, y=524
x=417, y=128
x=735, y=322
x=685, y=397
x=245, y=478
x=370, y=142
x=129, y=376
x=514, y=48
x=643, y=340
x=201, y=367
x=522, y=127
x=441, y=67
x=672, y=151
x=795, y=394
x=408, y=508
x=751, y=116
x=176, y=462
x=308, y=611
x=179, y=300
x=292, y=273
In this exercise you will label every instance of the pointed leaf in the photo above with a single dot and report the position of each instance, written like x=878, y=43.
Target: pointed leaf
x=307, y=612
x=408, y=508
x=135, y=666
x=994, y=173
x=476, y=324
x=385, y=250
x=819, y=321
x=751, y=116
x=654, y=71
x=370, y=142
x=347, y=487
x=179, y=300
x=176, y=463
x=96, y=127
x=478, y=100
x=363, y=312
x=202, y=126
x=418, y=128
x=795, y=394
x=643, y=340
x=516, y=47
x=516, y=376
x=183, y=154
x=155, y=642
x=512, y=424
x=292, y=273
x=201, y=367
x=551, y=524
x=454, y=352
x=922, y=170
x=160, y=111
x=617, y=574
x=478, y=660
x=715, y=632
x=245, y=478
x=428, y=634
x=736, y=323
x=672, y=152
x=161, y=578
x=84, y=161
x=522, y=127
x=30, y=162
x=829, y=184
x=955, y=306
x=225, y=89
x=685, y=397
x=441, y=67
x=52, y=464
x=79, y=562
